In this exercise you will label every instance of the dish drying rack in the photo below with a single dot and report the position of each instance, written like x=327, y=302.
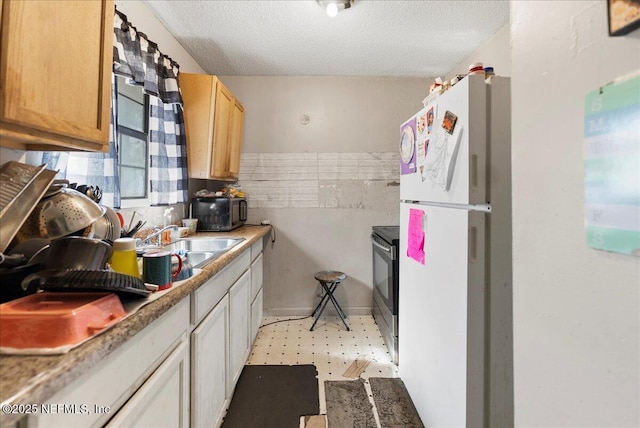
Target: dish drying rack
x=21, y=188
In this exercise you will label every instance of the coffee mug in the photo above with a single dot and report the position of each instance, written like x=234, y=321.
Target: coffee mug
x=156, y=268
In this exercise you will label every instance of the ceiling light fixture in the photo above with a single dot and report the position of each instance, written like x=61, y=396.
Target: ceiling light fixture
x=334, y=6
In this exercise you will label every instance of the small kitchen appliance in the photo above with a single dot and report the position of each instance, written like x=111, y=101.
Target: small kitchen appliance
x=219, y=214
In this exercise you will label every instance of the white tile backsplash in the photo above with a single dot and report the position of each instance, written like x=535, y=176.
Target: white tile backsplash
x=314, y=180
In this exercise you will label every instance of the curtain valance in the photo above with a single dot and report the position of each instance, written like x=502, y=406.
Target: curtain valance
x=139, y=59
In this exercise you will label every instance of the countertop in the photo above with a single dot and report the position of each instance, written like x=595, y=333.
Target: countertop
x=31, y=379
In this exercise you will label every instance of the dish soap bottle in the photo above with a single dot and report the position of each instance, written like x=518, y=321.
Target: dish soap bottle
x=166, y=221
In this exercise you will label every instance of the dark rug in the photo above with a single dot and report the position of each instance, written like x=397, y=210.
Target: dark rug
x=348, y=404
x=273, y=397
x=395, y=408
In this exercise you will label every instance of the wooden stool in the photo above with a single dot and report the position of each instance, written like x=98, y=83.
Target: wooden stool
x=329, y=279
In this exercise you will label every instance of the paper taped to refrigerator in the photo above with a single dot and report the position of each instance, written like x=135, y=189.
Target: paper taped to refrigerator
x=416, y=235
x=441, y=156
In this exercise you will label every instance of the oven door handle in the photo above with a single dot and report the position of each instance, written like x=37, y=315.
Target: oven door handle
x=388, y=250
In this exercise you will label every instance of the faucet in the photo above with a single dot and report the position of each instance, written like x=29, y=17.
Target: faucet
x=157, y=235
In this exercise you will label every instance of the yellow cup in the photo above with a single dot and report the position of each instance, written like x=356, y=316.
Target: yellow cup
x=124, y=258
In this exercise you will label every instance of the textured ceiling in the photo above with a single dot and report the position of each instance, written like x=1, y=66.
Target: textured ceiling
x=296, y=37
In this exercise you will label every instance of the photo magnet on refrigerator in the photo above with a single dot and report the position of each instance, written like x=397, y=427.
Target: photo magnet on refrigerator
x=449, y=121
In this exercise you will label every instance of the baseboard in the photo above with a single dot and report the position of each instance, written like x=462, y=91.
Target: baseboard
x=301, y=312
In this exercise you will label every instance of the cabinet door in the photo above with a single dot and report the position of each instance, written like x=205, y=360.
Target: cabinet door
x=256, y=276
x=256, y=316
x=238, y=328
x=198, y=95
x=221, y=127
x=163, y=400
x=235, y=139
x=210, y=344
x=55, y=77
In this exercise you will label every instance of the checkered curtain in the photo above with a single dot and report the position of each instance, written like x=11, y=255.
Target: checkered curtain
x=138, y=59
x=167, y=150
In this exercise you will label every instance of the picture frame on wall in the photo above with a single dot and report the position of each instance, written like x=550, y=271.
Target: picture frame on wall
x=623, y=16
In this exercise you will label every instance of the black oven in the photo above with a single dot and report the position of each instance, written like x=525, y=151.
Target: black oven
x=385, y=246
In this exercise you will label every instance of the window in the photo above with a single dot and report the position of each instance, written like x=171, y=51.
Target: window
x=132, y=132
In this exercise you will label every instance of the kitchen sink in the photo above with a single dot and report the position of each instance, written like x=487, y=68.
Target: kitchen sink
x=199, y=258
x=204, y=244
x=200, y=251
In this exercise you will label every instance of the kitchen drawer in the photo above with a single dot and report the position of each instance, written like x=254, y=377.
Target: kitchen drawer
x=256, y=249
x=210, y=293
x=114, y=380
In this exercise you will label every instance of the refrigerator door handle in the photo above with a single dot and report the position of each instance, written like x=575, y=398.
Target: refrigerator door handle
x=474, y=171
x=473, y=244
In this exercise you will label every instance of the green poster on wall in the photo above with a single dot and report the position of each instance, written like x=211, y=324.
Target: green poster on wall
x=612, y=167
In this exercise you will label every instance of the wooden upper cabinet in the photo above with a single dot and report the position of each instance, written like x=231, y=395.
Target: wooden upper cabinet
x=221, y=131
x=213, y=122
x=55, y=74
x=235, y=137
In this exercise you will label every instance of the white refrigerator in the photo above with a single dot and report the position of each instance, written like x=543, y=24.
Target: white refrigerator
x=455, y=309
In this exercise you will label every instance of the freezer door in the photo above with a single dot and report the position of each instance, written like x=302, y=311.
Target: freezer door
x=468, y=101
x=441, y=316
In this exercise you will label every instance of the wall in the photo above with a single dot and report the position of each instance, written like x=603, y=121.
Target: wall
x=323, y=184
x=576, y=322
x=494, y=53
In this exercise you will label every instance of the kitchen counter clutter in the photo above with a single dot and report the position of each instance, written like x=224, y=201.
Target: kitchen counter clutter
x=136, y=359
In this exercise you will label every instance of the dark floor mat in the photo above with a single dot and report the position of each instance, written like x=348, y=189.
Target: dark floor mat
x=273, y=397
x=348, y=405
x=395, y=408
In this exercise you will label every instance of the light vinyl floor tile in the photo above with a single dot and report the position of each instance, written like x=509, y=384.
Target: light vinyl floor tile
x=330, y=347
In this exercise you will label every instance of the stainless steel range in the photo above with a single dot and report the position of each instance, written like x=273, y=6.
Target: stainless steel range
x=385, y=245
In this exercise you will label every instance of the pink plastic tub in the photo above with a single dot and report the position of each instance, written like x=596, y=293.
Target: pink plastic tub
x=50, y=320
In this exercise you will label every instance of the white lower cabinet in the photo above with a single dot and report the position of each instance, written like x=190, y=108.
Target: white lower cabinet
x=239, y=317
x=182, y=369
x=256, y=290
x=256, y=316
x=209, y=345
x=256, y=276
x=163, y=400
x=219, y=341
x=157, y=354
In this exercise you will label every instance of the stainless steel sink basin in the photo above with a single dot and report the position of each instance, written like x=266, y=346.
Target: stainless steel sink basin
x=200, y=251
x=199, y=258
x=204, y=244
